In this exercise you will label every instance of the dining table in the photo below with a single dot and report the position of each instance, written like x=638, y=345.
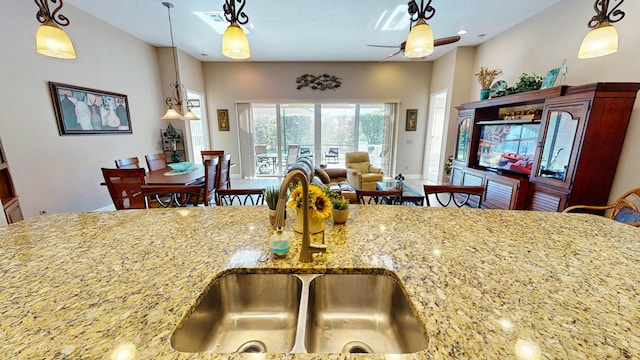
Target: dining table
x=167, y=176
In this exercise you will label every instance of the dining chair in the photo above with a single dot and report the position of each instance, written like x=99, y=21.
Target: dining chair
x=171, y=195
x=263, y=164
x=224, y=177
x=156, y=161
x=626, y=209
x=210, y=181
x=379, y=197
x=292, y=155
x=458, y=194
x=124, y=186
x=231, y=197
x=128, y=163
x=210, y=154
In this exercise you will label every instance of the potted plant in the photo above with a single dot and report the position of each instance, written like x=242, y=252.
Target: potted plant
x=340, y=210
x=485, y=79
x=271, y=194
x=448, y=166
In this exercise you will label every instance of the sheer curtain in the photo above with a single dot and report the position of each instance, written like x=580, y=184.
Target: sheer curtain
x=389, y=158
x=245, y=138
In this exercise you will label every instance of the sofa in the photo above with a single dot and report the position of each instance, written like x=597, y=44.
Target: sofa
x=336, y=179
x=360, y=174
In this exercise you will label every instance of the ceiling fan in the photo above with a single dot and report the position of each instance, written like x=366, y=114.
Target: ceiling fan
x=420, y=34
x=436, y=42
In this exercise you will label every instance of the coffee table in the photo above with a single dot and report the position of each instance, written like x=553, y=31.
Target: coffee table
x=410, y=196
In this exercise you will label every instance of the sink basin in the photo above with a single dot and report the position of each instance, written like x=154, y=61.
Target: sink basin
x=360, y=313
x=243, y=313
x=301, y=313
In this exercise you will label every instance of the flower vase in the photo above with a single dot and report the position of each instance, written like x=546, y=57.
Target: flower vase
x=315, y=225
x=484, y=94
x=340, y=216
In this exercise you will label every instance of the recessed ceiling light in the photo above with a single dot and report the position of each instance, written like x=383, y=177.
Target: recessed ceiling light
x=462, y=32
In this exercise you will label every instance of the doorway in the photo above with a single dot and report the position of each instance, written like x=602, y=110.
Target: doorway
x=435, y=134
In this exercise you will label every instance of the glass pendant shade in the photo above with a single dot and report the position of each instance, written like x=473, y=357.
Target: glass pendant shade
x=190, y=116
x=235, y=44
x=420, y=41
x=600, y=41
x=53, y=41
x=171, y=114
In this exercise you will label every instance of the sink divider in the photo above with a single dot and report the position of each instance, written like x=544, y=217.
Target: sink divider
x=299, y=347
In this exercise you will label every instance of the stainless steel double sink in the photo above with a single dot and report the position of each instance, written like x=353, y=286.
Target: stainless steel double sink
x=302, y=313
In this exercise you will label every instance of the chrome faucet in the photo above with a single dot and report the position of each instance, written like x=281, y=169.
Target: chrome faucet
x=307, y=248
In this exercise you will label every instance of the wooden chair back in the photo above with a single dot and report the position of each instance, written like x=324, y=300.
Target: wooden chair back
x=458, y=194
x=379, y=197
x=210, y=154
x=171, y=195
x=231, y=197
x=625, y=209
x=124, y=186
x=225, y=172
x=128, y=163
x=156, y=161
x=210, y=180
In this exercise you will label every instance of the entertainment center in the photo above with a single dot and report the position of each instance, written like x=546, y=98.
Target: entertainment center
x=545, y=149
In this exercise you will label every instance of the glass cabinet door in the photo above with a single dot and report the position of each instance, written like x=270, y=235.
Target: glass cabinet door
x=462, y=142
x=555, y=162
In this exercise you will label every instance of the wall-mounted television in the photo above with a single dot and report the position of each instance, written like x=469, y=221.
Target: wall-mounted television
x=508, y=146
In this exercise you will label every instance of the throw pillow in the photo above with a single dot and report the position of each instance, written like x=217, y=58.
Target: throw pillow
x=627, y=215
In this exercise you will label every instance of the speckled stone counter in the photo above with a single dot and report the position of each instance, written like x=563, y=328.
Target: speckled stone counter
x=485, y=284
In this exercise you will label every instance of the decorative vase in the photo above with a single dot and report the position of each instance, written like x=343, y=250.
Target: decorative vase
x=340, y=216
x=315, y=225
x=484, y=94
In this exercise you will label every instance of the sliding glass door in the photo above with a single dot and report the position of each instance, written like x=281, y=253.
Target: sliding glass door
x=282, y=132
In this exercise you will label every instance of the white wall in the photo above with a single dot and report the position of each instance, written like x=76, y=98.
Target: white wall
x=545, y=40
x=408, y=82
x=62, y=173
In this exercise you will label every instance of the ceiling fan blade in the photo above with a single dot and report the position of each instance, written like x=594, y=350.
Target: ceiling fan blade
x=385, y=46
x=446, y=40
x=392, y=55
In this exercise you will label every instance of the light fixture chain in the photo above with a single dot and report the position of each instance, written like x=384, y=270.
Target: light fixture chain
x=230, y=13
x=604, y=15
x=44, y=15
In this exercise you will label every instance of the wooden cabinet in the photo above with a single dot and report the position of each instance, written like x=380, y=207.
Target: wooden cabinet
x=545, y=149
x=10, y=203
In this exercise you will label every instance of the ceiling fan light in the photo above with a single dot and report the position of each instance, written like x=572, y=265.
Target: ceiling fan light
x=54, y=42
x=171, y=114
x=235, y=44
x=420, y=41
x=601, y=41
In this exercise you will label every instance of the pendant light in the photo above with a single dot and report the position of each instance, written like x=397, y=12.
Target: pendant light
x=603, y=38
x=420, y=41
x=51, y=40
x=235, y=44
x=176, y=104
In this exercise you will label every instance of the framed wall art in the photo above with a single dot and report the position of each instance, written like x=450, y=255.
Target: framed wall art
x=83, y=111
x=412, y=120
x=223, y=120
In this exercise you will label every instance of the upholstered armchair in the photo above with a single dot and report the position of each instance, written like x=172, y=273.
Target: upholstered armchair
x=360, y=173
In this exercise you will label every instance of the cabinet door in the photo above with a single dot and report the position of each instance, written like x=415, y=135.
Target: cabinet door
x=543, y=199
x=13, y=212
x=559, y=144
x=504, y=193
x=463, y=137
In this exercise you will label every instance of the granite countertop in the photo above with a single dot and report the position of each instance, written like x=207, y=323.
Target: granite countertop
x=486, y=284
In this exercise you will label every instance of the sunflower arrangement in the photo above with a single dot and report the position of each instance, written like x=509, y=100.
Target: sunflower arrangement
x=319, y=203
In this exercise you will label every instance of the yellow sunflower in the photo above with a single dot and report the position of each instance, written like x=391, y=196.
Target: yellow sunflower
x=321, y=206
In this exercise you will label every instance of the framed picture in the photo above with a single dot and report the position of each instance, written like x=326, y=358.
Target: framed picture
x=83, y=111
x=412, y=120
x=223, y=120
